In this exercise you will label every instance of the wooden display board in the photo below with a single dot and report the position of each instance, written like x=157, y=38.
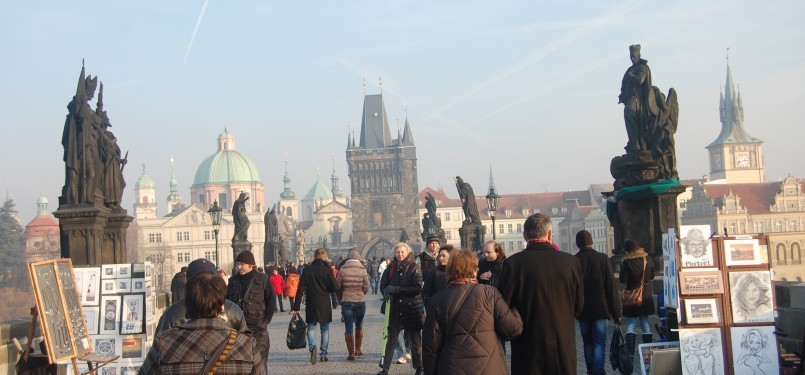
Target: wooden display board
x=727, y=306
x=59, y=309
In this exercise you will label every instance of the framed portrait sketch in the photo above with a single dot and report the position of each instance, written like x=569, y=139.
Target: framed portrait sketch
x=696, y=246
x=109, y=286
x=742, y=252
x=700, y=282
x=123, y=285
x=702, y=311
x=751, y=297
x=109, y=271
x=701, y=351
x=137, y=285
x=110, y=315
x=91, y=315
x=754, y=350
x=124, y=270
x=133, y=316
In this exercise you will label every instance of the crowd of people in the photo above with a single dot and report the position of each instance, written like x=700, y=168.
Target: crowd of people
x=449, y=310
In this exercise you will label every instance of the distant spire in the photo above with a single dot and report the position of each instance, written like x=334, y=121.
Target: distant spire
x=491, y=179
x=380, y=81
x=364, y=86
x=334, y=181
x=731, y=114
x=287, y=193
x=173, y=197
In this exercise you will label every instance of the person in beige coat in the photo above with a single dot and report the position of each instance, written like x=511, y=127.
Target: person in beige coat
x=353, y=284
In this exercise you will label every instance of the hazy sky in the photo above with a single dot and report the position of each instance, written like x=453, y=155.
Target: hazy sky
x=529, y=87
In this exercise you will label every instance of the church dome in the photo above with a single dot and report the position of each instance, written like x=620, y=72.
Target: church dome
x=144, y=182
x=318, y=191
x=42, y=200
x=226, y=165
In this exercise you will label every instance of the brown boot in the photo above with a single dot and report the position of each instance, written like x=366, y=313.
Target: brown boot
x=350, y=339
x=358, y=342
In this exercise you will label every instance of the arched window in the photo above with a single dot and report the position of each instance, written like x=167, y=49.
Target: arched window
x=781, y=256
x=796, y=253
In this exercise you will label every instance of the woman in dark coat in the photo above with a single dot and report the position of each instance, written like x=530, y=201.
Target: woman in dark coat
x=402, y=284
x=632, y=274
x=436, y=279
x=489, y=266
x=464, y=321
x=315, y=286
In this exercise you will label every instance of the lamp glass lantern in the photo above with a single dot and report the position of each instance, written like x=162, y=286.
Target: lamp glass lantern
x=492, y=199
x=215, y=215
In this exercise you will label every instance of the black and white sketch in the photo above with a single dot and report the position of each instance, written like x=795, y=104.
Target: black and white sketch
x=90, y=286
x=91, y=315
x=697, y=249
x=702, y=353
x=124, y=270
x=742, y=252
x=109, y=271
x=110, y=308
x=129, y=370
x=754, y=350
x=133, y=314
x=109, y=370
x=138, y=285
x=109, y=286
x=107, y=345
x=123, y=285
x=751, y=297
x=701, y=311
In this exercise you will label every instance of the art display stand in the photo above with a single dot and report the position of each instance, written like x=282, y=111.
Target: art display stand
x=63, y=325
x=726, y=307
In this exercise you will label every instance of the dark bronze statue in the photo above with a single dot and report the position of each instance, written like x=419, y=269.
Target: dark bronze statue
x=651, y=122
x=467, y=197
x=431, y=224
x=241, y=220
x=113, y=182
x=272, y=226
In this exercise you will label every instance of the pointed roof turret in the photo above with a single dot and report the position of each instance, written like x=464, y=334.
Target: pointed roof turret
x=408, y=137
x=732, y=116
x=349, y=141
x=174, y=196
x=337, y=193
x=287, y=193
x=491, y=180
x=375, y=131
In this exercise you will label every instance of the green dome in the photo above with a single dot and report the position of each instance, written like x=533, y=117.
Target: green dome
x=144, y=182
x=319, y=191
x=42, y=200
x=226, y=167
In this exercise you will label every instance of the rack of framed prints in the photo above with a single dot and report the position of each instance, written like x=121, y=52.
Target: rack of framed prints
x=118, y=301
x=727, y=303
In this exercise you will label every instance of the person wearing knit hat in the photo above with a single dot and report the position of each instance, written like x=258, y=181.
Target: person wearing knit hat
x=601, y=301
x=176, y=313
x=252, y=291
x=427, y=259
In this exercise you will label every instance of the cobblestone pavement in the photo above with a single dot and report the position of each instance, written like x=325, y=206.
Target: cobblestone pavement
x=281, y=360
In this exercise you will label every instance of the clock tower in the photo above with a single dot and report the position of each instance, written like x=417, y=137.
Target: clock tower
x=735, y=155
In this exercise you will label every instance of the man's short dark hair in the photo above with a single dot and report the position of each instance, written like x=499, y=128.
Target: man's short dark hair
x=537, y=226
x=320, y=253
x=184, y=270
x=205, y=296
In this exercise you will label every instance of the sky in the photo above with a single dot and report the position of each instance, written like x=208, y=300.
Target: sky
x=527, y=87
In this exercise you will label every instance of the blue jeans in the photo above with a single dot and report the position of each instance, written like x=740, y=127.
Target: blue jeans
x=632, y=321
x=353, y=312
x=374, y=282
x=325, y=337
x=594, y=335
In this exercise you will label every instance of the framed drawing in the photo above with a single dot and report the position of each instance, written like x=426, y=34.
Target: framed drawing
x=109, y=271
x=133, y=316
x=124, y=270
x=110, y=315
x=751, y=297
x=742, y=252
x=754, y=350
x=123, y=285
x=138, y=270
x=137, y=285
x=90, y=286
x=133, y=348
x=701, y=351
x=700, y=282
x=91, y=314
x=697, y=248
x=107, y=344
x=108, y=370
x=702, y=311
x=109, y=286
x=129, y=369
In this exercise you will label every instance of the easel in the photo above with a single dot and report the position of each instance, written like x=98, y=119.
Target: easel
x=66, y=306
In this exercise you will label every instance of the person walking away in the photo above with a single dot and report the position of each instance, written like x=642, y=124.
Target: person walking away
x=489, y=265
x=546, y=288
x=291, y=286
x=353, y=282
x=333, y=296
x=186, y=348
x=637, y=268
x=464, y=322
x=177, y=285
x=278, y=284
x=316, y=284
x=601, y=302
x=402, y=283
x=374, y=274
x=251, y=291
x=436, y=280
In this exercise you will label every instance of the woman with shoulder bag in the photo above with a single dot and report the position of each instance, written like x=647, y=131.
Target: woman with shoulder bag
x=637, y=272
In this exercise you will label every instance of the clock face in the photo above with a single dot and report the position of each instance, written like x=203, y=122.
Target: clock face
x=742, y=160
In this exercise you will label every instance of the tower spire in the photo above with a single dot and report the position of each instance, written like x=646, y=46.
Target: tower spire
x=334, y=180
x=287, y=193
x=731, y=114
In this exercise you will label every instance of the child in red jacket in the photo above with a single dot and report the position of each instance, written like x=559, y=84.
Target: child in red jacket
x=277, y=283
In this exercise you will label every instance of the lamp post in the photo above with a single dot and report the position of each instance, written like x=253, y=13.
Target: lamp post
x=492, y=199
x=215, y=215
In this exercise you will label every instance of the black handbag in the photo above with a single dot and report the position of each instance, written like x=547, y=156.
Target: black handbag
x=297, y=332
x=619, y=356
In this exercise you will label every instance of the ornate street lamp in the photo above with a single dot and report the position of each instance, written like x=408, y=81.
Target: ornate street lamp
x=215, y=215
x=492, y=199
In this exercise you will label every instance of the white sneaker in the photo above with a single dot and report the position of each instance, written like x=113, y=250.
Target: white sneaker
x=408, y=356
x=401, y=360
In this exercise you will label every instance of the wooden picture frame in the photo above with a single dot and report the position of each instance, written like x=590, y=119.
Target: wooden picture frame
x=695, y=282
x=751, y=297
x=702, y=311
x=59, y=309
x=742, y=252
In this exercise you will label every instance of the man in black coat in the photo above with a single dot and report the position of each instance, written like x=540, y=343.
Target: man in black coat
x=427, y=259
x=601, y=302
x=546, y=287
x=317, y=282
x=252, y=292
x=177, y=285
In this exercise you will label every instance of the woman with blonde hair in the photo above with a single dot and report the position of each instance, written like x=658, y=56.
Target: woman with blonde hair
x=464, y=322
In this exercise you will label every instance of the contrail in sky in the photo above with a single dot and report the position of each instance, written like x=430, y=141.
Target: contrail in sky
x=195, y=31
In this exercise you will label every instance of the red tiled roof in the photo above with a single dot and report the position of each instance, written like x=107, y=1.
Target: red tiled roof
x=41, y=226
x=756, y=197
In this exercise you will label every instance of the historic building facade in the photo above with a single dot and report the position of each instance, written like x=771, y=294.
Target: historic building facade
x=42, y=234
x=383, y=181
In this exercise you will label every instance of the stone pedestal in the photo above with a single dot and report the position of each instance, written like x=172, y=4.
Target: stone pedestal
x=271, y=252
x=81, y=231
x=114, y=237
x=472, y=235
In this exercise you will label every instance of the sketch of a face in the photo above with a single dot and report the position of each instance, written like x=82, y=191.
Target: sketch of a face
x=695, y=243
x=696, y=249
x=754, y=342
x=752, y=296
